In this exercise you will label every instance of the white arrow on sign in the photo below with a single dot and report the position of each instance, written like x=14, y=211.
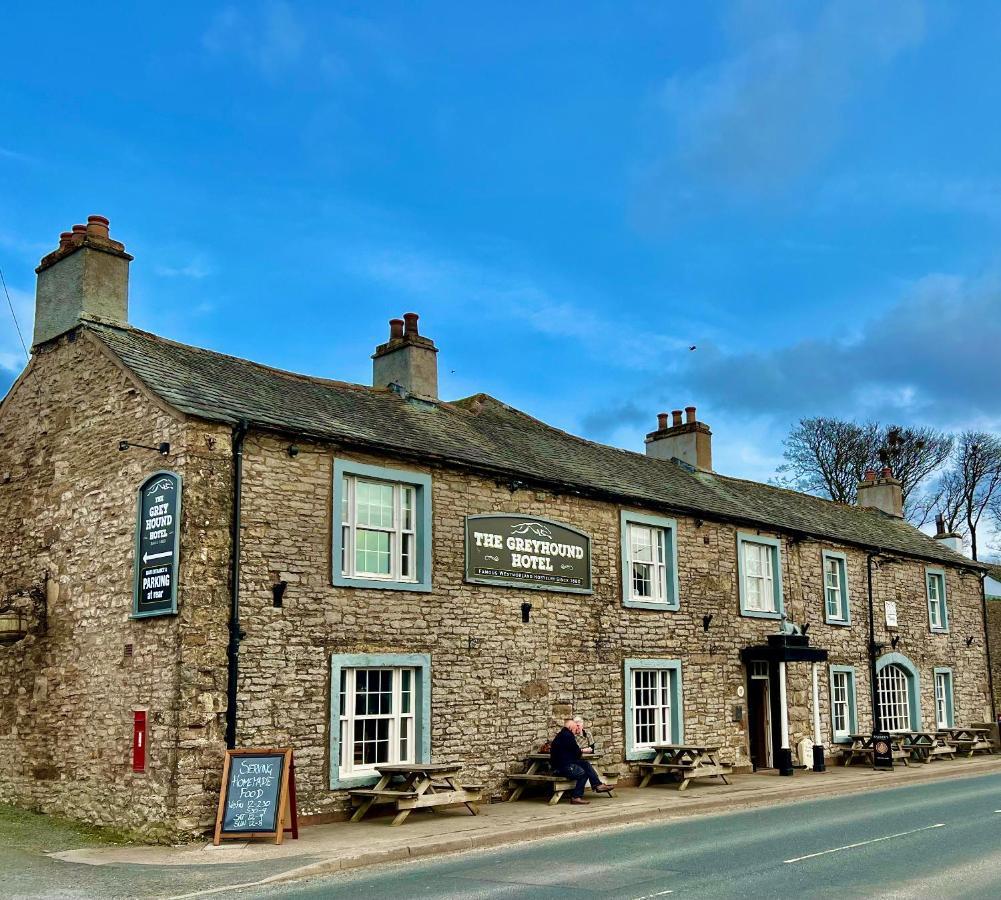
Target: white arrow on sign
x=148, y=556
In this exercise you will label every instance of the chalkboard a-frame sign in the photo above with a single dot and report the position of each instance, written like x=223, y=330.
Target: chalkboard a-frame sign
x=158, y=532
x=257, y=798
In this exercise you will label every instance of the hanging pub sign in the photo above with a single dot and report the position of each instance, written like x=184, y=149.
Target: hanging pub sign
x=157, y=546
x=527, y=552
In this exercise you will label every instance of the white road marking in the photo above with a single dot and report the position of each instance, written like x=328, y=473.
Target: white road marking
x=863, y=843
x=658, y=894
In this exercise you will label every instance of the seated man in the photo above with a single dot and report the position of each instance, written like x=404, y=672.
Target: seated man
x=565, y=758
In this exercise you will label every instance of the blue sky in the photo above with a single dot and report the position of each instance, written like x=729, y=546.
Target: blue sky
x=571, y=196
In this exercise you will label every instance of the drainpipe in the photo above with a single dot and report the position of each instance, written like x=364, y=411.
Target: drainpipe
x=876, y=723
x=987, y=646
x=235, y=634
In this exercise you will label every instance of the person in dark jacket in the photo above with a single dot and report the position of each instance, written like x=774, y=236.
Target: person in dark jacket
x=566, y=759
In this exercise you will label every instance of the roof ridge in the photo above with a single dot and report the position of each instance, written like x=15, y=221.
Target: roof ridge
x=98, y=326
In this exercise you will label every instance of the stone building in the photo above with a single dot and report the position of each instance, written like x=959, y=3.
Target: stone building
x=371, y=573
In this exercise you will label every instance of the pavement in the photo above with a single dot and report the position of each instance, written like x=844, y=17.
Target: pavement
x=203, y=870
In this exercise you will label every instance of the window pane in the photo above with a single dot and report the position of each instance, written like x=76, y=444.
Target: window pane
x=372, y=554
x=374, y=504
x=642, y=543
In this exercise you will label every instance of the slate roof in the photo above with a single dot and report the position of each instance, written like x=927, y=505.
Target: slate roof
x=485, y=434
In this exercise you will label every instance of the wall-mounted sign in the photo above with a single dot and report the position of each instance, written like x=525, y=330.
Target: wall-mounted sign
x=157, y=545
x=527, y=552
x=890, y=607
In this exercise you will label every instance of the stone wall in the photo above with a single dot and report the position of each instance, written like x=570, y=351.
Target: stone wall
x=499, y=686
x=994, y=631
x=67, y=526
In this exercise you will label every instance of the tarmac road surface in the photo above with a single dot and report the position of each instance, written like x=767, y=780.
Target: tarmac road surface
x=941, y=839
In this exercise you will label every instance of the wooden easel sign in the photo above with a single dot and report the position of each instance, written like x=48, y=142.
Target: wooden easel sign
x=257, y=798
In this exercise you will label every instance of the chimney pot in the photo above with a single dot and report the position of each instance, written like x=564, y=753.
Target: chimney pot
x=395, y=329
x=887, y=472
x=675, y=417
x=65, y=238
x=410, y=323
x=661, y=421
x=79, y=229
x=406, y=360
x=98, y=226
x=870, y=475
x=690, y=414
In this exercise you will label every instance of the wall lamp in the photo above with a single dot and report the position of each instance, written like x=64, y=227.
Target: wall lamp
x=278, y=593
x=706, y=620
x=163, y=448
x=894, y=641
x=526, y=610
x=293, y=451
x=969, y=641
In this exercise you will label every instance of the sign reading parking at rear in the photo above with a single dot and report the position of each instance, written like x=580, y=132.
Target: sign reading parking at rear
x=157, y=545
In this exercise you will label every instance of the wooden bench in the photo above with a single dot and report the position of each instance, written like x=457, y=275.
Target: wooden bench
x=538, y=772
x=687, y=761
x=424, y=786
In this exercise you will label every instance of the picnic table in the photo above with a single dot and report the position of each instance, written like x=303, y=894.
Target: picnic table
x=924, y=746
x=686, y=761
x=861, y=748
x=539, y=770
x=968, y=739
x=420, y=786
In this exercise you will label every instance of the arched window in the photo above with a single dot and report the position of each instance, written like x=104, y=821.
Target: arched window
x=897, y=694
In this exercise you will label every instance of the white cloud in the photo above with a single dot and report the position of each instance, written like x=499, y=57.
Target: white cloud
x=196, y=269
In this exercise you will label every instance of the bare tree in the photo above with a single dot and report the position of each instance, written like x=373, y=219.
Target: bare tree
x=972, y=485
x=830, y=456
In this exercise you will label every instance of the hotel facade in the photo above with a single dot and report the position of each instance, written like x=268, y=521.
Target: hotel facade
x=196, y=550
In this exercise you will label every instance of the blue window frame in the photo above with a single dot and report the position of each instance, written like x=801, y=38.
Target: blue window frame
x=649, y=561
x=835, y=566
x=938, y=608
x=759, y=568
x=382, y=704
x=654, y=713
x=844, y=714
x=382, y=527
x=945, y=716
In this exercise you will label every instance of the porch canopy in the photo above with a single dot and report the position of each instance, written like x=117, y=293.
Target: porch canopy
x=784, y=648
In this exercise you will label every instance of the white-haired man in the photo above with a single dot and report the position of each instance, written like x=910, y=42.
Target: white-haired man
x=567, y=760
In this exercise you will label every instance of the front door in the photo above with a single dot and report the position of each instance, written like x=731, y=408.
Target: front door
x=759, y=714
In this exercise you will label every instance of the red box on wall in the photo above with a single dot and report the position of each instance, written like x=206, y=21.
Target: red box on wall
x=139, y=740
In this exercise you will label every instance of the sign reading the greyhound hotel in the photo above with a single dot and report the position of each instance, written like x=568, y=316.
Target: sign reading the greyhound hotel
x=157, y=545
x=526, y=552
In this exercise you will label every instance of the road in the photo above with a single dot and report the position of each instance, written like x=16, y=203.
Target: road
x=942, y=839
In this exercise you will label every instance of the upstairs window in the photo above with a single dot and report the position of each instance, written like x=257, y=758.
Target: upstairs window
x=835, y=588
x=760, y=576
x=649, y=579
x=938, y=613
x=944, y=717
x=382, y=538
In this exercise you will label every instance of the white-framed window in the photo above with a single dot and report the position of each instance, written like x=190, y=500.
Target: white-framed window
x=943, y=699
x=835, y=588
x=843, y=719
x=893, y=694
x=377, y=718
x=654, y=712
x=649, y=561
x=938, y=614
x=760, y=576
x=378, y=528
x=651, y=710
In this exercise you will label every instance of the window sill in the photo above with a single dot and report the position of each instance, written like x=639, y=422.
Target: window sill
x=760, y=614
x=658, y=605
x=843, y=623
x=934, y=630
x=378, y=584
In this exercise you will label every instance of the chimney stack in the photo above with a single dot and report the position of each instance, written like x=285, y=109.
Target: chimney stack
x=882, y=493
x=85, y=277
x=951, y=540
x=407, y=359
x=690, y=441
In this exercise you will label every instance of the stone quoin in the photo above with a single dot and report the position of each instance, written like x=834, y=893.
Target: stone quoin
x=387, y=542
